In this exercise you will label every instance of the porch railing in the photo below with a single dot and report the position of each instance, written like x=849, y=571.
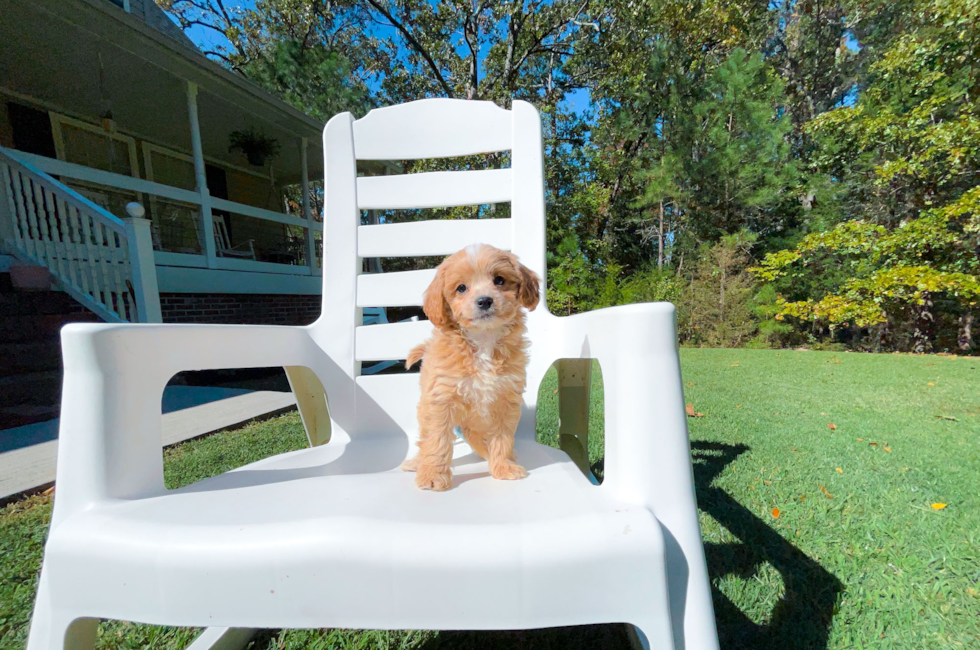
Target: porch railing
x=104, y=262
x=197, y=251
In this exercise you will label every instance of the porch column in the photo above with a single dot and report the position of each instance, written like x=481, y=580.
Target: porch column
x=307, y=214
x=201, y=177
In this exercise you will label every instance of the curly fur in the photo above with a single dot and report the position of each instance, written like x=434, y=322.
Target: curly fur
x=473, y=367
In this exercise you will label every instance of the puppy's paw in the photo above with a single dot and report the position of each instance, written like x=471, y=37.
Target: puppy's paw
x=410, y=465
x=509, y=471
x=438, y=479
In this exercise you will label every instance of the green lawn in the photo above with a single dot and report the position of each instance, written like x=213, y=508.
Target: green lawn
x=856, y=558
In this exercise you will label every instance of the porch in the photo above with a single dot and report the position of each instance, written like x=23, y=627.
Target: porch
x=119, y=112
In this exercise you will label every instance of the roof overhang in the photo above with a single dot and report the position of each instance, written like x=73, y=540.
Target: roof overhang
x=87, y=57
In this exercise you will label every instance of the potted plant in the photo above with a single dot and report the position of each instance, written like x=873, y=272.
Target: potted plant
x=256, y=145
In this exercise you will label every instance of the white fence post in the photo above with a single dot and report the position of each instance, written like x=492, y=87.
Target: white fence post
x=307, y=213
x=142, y=266
x=7, y=215
x=201, y=176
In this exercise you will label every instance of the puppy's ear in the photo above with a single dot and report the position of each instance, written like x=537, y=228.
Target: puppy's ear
x=530, y=289
x=434, y=303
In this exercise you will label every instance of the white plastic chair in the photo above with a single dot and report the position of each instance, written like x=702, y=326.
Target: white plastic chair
x=336, y=535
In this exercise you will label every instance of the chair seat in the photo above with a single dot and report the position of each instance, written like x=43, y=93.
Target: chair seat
x=308, y=538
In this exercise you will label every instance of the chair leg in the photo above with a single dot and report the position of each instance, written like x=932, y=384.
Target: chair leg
x=52, y=629
x=654, y=634
x=311, y=400
x=653, y=627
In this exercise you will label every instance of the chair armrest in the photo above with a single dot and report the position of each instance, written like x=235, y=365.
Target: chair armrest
x=648, y=455
x=110, y=427
x=636, y=346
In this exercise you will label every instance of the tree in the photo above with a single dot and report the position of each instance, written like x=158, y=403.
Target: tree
x=905, y=160
x=717, y=305
x=739, y=167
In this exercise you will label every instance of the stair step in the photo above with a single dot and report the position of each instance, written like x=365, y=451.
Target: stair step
x=36, y=356
x=34, y=388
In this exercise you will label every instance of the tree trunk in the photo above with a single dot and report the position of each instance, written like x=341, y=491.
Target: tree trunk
x=965, y=339
x=920, y=337
x=660, y=239
x=721, y=311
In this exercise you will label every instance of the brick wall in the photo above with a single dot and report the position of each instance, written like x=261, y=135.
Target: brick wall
x=251, y=309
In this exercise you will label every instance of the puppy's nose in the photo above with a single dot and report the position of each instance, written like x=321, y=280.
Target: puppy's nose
x=484, y=302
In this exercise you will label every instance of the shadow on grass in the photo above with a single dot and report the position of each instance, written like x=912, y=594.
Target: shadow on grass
x=802, y=618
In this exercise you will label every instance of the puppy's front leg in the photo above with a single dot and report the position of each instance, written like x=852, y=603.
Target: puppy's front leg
x=435, y=447
x=500, y=444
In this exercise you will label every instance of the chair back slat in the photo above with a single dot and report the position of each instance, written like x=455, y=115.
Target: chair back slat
x=434, y=189
x=433, y=128
x=402, y=289
x=391, y=341
x=422, y=238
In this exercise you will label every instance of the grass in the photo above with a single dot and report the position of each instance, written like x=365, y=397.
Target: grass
x=857, y=557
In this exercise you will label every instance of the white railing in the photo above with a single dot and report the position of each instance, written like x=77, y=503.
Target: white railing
x=104, y=262
x=204, y=255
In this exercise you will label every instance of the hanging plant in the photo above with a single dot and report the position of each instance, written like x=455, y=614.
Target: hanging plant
x=256, y=145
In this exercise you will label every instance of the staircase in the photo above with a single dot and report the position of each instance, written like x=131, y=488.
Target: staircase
x=30, y=351
x=102, y=267
x=103, y=262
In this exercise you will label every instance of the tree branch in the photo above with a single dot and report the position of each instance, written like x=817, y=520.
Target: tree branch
x=415, y=45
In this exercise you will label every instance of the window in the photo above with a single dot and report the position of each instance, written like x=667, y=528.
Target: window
x=31, y=130
x=94, y=146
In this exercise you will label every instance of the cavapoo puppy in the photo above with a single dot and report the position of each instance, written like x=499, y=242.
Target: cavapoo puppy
x=473, y=366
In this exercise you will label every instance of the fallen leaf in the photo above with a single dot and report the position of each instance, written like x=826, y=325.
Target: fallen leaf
x=738, y=406
x=840, y=471
x=690, y=383
x=775, y=513
x=938, y=506
x=947, y=417
x=930, y=384
x=555, y=392
x=831, y=426
x=826, y=493
x=802, y=498
x=822, y=413
x=733, y=365
x=691, y=413
x=860, y=439
x=872, y=444
x=888, y=449
x=768, y=482
x=48, y=492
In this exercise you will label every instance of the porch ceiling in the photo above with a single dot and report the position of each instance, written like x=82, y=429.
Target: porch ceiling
x=86, y=57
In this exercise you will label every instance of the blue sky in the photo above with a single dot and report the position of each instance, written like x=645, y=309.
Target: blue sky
x=207, y=39
x=577, y=101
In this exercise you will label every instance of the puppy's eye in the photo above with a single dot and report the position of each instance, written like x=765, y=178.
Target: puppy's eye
x=461, y=288
x=499, y=281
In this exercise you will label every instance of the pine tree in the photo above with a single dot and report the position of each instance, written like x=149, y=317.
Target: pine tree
x=738, y=168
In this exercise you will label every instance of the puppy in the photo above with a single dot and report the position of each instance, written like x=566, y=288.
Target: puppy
x=473, y=366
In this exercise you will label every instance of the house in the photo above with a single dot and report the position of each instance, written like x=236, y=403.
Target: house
x=122, y=197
